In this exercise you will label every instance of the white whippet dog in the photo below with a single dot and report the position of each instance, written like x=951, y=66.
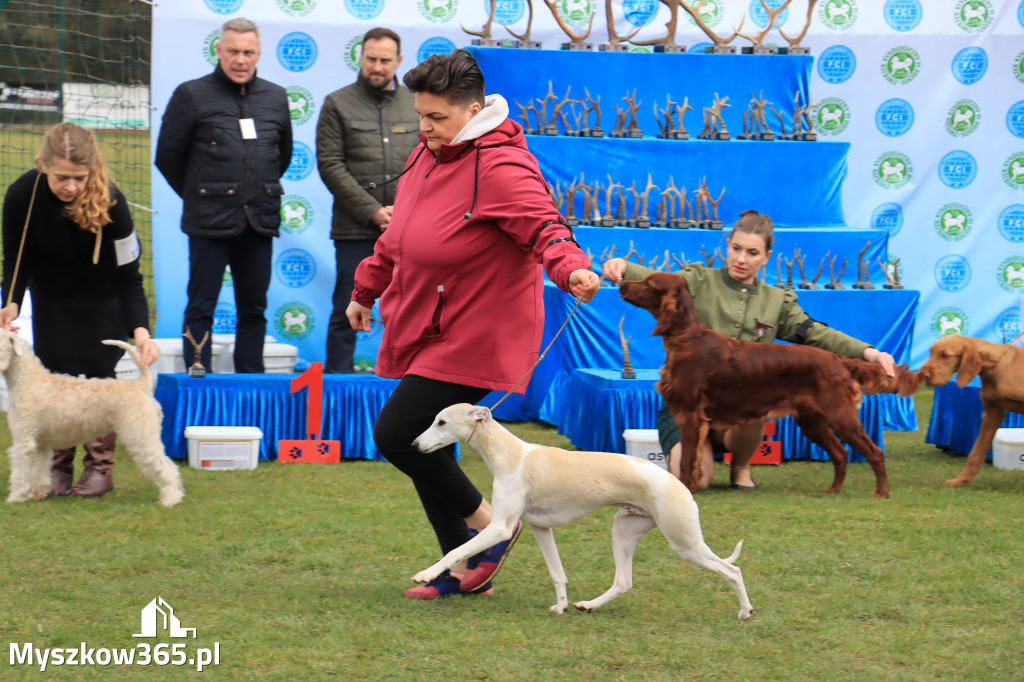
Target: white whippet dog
x=549, y=487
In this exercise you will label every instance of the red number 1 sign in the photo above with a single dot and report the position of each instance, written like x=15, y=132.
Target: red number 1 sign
x=313, y=449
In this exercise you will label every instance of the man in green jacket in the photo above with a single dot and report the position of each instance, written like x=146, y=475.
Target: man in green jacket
x=364, y=135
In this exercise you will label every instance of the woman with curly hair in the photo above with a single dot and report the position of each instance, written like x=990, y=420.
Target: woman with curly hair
x=68, y=237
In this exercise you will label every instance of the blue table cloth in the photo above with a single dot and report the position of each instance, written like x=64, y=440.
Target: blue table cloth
x=351, y=403
x=598, y=405
x=956, y=418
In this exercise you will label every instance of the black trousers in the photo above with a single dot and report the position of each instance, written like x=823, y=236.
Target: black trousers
x=249, y=255
x=447, y=494
x=341, y=337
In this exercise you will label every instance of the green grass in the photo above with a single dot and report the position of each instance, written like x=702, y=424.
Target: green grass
x=297, y=572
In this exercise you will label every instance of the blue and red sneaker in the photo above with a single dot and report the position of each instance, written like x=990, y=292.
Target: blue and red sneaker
x=481, y=567
x=445, y=585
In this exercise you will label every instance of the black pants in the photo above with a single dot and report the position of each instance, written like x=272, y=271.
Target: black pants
x=249, y=255
x=447, y=494
x=341, y=337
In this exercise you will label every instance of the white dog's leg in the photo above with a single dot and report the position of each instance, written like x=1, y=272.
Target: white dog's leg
x=627, y=530
x=145, y=448
x=703, y=556
x=40, y=464
x=546, y=540
x=21, y=473
x=497, y=531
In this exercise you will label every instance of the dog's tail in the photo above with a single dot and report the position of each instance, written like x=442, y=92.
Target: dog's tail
x=873, y=379
x=147, y=376
x=731, y=559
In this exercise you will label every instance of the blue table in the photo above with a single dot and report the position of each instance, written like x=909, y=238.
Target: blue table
x=351, y=403
x=956, y=418
x=599, y=404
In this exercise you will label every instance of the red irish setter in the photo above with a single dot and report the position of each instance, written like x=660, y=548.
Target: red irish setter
x=713, y=382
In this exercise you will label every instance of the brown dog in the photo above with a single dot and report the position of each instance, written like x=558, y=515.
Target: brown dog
x=1002, y=386
x=710, y=381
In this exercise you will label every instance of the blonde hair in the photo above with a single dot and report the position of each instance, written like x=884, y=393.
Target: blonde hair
x=90, y=210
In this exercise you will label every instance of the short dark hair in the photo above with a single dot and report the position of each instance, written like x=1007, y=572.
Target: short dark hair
x=381, y=33
x=455, y=76
x=753, y=222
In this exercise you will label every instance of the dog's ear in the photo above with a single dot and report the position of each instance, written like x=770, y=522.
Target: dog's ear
x=669, y=308
x=970, y=364
x=479, y=413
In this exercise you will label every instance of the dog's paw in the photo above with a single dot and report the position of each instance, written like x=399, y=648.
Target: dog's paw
x=746, y=613
x=583, y=606
x=559, y=608
x=426, y=576
x=15, y=498
x=957, y=482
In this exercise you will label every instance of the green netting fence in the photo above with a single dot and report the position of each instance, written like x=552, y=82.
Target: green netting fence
x=85, y=61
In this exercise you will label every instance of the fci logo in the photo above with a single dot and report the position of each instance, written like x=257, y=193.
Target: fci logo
x=296, y=8
x=576, y=13
x=963, y=118
x=893, y=170
x=300, y=104
x=833, y=116
x=353, y=52
x=953, y=222
x=838, y=15
x=900, y=65
x=974, y=16
x=210, y=47
x=949, y=320
x=438, y=11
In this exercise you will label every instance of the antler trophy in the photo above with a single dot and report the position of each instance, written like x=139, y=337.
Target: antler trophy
x=794, y=43
x=524, y=40
x=627, y=368
x=576, y=41
x=484, y=38
x=616, y=43
x=863, y=277
x=758, y=46
x=720, y=45
x=196, y=370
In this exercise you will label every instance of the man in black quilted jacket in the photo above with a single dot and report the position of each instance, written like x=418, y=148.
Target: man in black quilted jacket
x=364, y=135
x=225, y=141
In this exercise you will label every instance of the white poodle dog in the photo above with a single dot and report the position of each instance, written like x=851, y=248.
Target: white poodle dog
x=50, y=412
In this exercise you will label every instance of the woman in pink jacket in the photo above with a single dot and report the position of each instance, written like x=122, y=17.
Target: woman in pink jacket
x=458, y=274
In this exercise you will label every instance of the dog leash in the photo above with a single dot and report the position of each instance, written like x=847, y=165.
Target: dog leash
x=24, y=233
x=545, y=351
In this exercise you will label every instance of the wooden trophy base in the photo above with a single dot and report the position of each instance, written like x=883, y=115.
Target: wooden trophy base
x=892, y=286
x=578, y=47
x=613, y=47
x=197, y=371
x=758, y=137
x=670, y=49
x=807, y=286
x=720, y=49
x=642, y=222
x=798, y=49
x=550, y=131
x=572, y=221
x=836, y=287
x=528, y=44
x=759, y=49
x=607, y=222
x=721, y=135
x=863, y=285
x=803, y=137
x=628, y=374
x=715, y=225
x=487, y=42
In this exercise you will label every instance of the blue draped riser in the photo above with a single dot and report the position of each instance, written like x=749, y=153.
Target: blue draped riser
x=600, y=405
x=798, y=183
x=956, y=418
x=351, y=403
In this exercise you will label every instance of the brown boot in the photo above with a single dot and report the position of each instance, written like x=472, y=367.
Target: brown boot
x=62, y=471
x=97, y=479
